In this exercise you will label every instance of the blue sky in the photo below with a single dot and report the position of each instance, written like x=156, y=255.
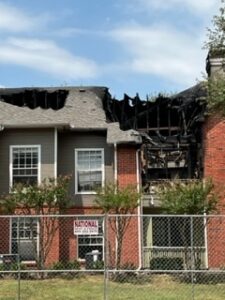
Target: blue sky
x=145, y=46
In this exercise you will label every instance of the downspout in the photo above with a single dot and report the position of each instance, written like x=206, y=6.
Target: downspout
x=115, y=165
x=206, y=242
x=206, y=237
x=139, y=210
x=115, y=183
x=55, y=154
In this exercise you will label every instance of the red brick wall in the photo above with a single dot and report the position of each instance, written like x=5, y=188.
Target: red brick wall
x=126, y=168
x=214, y=167
x=51, y=228
x=127, y=175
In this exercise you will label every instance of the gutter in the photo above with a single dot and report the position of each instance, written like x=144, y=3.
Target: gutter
x=52, y=125
x=139, y=210
x=18, y=126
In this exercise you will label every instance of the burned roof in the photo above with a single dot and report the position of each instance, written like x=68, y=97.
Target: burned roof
x=163, y=111
x=78, y=108
x=93, y=108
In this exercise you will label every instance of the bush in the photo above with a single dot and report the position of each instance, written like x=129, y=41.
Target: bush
x=98, y=265
x=166, y=263
x=64, y=266
x=14, y=266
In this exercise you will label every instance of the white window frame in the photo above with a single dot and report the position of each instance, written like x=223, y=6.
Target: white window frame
x=76, y=169
x=37, y=238
x=100, y=219
x=11, y=162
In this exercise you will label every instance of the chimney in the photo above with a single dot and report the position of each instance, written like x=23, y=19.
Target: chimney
x=215, y=65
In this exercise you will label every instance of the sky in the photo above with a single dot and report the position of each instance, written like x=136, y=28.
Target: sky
x=131, y=46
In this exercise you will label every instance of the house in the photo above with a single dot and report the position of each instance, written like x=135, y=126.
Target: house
x=46, y=132
x=83, y=131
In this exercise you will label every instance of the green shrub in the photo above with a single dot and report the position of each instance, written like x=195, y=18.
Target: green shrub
x=14, y=266
x=98, y=265
x=64, y=266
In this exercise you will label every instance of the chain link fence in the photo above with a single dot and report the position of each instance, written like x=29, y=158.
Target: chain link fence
x=112, y=257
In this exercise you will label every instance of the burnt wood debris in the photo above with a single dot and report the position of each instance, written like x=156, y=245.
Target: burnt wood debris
x=170, y=127
x=171, y=130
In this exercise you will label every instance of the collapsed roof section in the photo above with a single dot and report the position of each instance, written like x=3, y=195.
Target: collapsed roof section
x=170, y=128
x=163, y=118
x=70, y=108
x=33, y=98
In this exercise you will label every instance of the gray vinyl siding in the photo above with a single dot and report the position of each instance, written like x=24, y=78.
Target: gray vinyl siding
x=67, y=143
x=10, y=137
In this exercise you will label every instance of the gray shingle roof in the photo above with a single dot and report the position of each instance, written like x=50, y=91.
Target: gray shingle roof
x=118, y=136
x=83, y=110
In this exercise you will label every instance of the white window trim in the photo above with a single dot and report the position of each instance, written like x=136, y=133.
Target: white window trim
x=102, y=169
x=38, y=240
x=11, y=162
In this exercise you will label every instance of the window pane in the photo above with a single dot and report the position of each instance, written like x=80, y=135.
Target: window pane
x=25, y=165
x=22, y=241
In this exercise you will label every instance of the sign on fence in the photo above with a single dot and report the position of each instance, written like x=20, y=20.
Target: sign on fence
x=85, y=227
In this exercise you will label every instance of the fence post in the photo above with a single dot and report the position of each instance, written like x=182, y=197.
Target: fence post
x=18, y=258
x=105, y=257
x=18, y=276
x=192, y=261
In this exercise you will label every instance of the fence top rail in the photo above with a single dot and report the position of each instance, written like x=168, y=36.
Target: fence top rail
x=109, y=215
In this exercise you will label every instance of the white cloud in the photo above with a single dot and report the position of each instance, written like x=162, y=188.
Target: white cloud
x=2, y=86
x=15, y=20
x=162, y=51
x=46, y=56
x=196, y=6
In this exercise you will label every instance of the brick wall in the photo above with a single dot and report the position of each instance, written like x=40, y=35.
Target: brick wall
x=126, y=159
x=214, y=167
x=127, y=175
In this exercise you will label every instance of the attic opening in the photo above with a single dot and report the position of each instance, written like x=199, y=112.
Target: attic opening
x=36, y=98
x=171, y=130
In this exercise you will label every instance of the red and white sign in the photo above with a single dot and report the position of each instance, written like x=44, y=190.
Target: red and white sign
x=85, y=227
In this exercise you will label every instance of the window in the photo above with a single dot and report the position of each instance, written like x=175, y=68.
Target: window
x=24, y=237
x=89, y=243
x=89, y=170
x=24, y=165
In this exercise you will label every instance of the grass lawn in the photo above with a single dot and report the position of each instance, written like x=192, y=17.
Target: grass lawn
x=92, y=288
